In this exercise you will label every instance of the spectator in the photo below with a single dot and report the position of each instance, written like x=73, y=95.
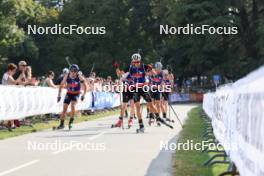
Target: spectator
x=49, y=80
x=25, y=75
x=22, y=72
x=93, y=75
x=8, y=76
x=109, y=80
x=9, y=80
x=28, y=73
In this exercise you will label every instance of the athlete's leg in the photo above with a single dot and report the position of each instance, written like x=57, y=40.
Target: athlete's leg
x=164, y=106
x=62, y=115
x=123, y=108
x=73, y=109
x=72, y=113
x=132, y=108
x=64, y=111
x=158, y=106
x=152, y=108
x=138, y=109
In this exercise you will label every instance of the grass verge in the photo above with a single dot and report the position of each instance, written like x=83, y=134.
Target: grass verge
x=190, y=163
x=40, y=126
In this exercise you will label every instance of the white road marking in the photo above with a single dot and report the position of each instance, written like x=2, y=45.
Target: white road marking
x=18, y=167
x=63, y=150
x=97, y=136
x=72, y=146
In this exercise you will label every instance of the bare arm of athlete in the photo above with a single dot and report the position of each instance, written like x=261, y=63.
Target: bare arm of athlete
x=83, y=81
x=63, y=82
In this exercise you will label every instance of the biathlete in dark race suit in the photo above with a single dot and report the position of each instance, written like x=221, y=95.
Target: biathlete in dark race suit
x=158, y=88
x=72, y=81
x=127, y=96
x=138, y=71
x=155, y=82
x=168, y=82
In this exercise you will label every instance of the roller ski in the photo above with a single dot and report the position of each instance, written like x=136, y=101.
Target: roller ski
x=130, y=122
x=126, y=114
x=167, y=119
x=141, y=130
x=60, y=127
x=151, y=121
x=118, y=124
x=164, y=122
x=70, y=123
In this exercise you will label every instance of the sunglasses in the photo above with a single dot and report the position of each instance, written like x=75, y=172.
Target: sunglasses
x=74, y=70
x=136, y=62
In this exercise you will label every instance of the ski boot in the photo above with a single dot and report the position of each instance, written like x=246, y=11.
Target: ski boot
x=151, y=119
x=164, y=122
x=118, y=124
x=60, y=127
x=167, y=119
x=126, y=114
x=71, y=123
x=130, y=122
x=141, y=129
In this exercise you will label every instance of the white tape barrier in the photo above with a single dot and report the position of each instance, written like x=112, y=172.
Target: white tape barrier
x=20, y=102
x=237, y=112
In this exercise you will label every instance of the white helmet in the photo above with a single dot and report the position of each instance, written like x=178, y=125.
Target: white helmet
x=166, y=72
x=65, y=71
x=136, y=57
x=158, y=65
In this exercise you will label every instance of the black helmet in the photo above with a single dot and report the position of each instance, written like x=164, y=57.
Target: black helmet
x=74, y=67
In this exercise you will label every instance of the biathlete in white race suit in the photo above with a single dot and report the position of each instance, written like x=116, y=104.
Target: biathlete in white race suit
x=127, y=96
x=72, y=81
x=138, y=72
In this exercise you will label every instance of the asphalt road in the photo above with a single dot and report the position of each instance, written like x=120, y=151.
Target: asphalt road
x=92, y=149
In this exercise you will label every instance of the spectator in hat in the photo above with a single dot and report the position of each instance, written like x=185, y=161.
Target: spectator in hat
x=22, y=66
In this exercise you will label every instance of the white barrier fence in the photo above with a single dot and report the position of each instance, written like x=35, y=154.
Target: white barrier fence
x=20, y=102
x=237, y=117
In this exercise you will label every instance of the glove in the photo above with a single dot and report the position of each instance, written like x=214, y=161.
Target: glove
x=149, y=67
x=82, y=97
x=58, y=99
x=116, y=64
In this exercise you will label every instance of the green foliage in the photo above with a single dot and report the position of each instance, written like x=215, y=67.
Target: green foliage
x=14, y=18
x=133, y=24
